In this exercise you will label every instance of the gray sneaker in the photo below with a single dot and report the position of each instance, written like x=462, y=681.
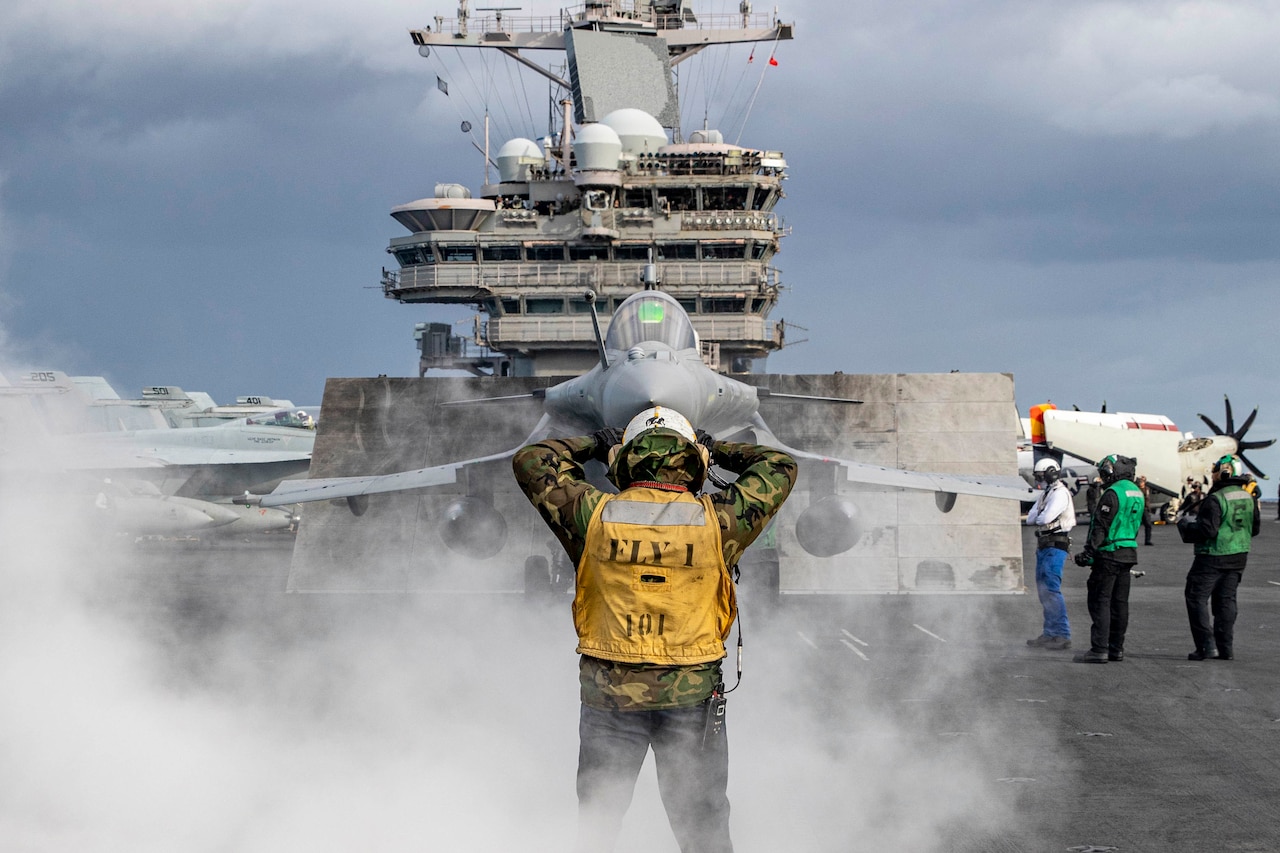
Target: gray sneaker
x=1037, y=642
x=1057, y=644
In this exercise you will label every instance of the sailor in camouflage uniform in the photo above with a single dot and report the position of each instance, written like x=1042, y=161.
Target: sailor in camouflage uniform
x=653, y=604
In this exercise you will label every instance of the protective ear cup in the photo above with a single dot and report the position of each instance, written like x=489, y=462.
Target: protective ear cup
x=613, y=453
x=705, y=454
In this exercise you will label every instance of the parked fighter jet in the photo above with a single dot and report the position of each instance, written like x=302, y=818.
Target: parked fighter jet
x=651, y=357
x=155, y=480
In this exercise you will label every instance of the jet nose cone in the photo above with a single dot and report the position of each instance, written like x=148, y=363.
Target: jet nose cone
x=637, y=385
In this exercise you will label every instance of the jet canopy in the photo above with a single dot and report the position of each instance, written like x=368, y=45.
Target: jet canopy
x=650, y=316
x=282, y=418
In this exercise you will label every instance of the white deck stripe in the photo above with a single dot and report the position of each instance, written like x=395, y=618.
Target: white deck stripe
x=801, y=635
x=851, y=637
x=856, y=650
x=927, y=631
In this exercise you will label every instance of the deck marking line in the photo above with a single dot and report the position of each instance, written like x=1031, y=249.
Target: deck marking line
x=802, y=636
x=856, y=650
x=855, y=639
x=927, y=631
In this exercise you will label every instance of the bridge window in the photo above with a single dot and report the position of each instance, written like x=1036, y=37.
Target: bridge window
x=680, y=198
x=408, y=257
x=631, y=252
x=758, y=250
x=545, y=252
x=544, y=306
x=511, y=306
x=723, y=305
x=501, y=252
x=640, y=197
x=677, y=251
x=457, y=254
x=589, y=252
x=761, y=199
x=723, y=251
x=724, y=198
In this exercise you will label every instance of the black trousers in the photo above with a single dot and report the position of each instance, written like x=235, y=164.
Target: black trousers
x=1108, y=587
x=693, y=775
x=1210, y=589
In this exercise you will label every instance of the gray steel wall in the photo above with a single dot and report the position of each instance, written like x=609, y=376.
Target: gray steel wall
x=960, y=423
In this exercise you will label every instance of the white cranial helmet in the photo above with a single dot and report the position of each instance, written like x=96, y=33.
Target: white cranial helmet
x=659, y=417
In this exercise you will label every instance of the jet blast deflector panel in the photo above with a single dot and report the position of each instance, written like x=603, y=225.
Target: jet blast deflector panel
x=946, y=423
x=611, y=71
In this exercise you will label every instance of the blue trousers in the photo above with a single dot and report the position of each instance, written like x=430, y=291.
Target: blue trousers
x=693, y=775
x=1049, y=585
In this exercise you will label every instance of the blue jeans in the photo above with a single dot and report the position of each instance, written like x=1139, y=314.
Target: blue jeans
x=693, y=775
x=1049, y=585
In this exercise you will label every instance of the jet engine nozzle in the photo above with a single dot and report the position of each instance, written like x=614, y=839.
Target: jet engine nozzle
x=829, y=526
x=473, y=528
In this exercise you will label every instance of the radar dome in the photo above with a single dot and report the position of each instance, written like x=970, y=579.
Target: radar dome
x=597, y=147
x=515, y=157
x=637, y=130
x=452, y=191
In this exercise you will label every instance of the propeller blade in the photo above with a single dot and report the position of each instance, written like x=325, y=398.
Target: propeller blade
x=1217, y=430
x=1231, y=427
x=1248, y=422
x=1255, y=445
x=1254, y=468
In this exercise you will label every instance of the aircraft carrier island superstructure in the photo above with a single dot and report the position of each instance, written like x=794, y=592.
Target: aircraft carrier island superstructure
x=614, y=200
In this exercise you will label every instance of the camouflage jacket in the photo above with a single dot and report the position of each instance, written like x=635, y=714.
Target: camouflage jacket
x=551, y=474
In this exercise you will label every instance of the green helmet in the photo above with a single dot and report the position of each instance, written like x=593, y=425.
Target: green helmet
x=1228, y=465
x=1116, y=467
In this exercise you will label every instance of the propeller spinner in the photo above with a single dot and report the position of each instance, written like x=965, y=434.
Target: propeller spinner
x=1238, y=435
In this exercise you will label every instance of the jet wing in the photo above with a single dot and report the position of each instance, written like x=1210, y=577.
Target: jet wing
x=1009, y=487
x=323, y=489
x=328, y=488
x=986, y=486
x=121, y=457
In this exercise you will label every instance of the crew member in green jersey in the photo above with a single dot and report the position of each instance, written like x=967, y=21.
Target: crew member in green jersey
x=1111, y=552
x=1221, y=530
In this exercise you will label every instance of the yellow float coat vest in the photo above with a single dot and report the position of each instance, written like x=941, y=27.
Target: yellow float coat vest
x=652, y=583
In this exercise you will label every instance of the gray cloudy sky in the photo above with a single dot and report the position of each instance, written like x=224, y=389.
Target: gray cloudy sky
x=1079, y=193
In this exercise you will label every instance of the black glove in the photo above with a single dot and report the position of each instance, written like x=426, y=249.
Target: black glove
x=605, y=439
x=1084, y=559
x=705, y=438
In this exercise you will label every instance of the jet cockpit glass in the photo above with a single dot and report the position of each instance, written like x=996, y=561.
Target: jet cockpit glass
x=282, y=418
x=651, y=317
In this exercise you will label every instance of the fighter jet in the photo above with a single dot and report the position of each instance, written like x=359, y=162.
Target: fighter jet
x=651, y=357
x=147, y=481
